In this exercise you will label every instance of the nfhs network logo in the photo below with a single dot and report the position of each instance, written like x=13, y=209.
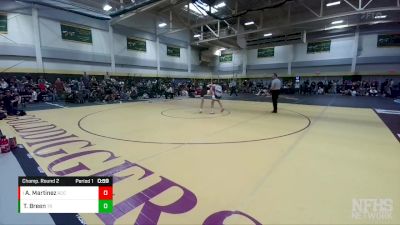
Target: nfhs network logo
x=372, y=208
x=372, y=16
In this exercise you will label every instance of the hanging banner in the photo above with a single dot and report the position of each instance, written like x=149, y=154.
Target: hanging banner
x=75, y=33
x=318, y=47
x=265, y=52
x=3, y=23
x=136, y=44
x=226, y=58
x=172, y=51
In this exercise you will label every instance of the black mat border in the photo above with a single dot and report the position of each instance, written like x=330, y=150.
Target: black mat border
x=32, y=168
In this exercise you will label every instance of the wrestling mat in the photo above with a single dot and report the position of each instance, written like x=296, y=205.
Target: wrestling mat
x=173, y=165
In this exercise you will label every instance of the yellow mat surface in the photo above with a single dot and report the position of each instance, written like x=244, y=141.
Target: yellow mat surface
x=304, y=165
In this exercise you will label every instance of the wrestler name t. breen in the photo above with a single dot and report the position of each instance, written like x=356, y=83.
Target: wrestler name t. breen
x=48, y=141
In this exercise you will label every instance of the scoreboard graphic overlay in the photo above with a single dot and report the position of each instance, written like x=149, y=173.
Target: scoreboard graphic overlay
x=65, y=195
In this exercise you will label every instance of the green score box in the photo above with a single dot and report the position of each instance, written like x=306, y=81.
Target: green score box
x=105, y=206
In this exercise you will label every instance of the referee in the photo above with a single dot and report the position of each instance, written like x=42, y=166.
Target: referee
x=275, y=91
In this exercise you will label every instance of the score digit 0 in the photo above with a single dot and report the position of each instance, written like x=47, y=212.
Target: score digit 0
x=105, y=193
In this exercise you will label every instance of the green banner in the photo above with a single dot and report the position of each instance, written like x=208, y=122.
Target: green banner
x=136, y=44
x=172, y=51
x=75, y=33
x=389, y=40
x=226, y=58
x=316, y=47
x=265, y=52
x=3, y=23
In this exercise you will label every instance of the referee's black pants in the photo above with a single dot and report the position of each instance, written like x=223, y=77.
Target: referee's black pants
x=275, y=95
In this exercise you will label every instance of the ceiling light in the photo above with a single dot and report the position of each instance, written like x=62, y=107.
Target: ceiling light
x=220, y=5
x=337, y=22
x=107, y=7
x=249, y=23
x=267, y=35
x=162, y=25
x=337, y=27
x=380, y=16
x=197, y=35
x=199, y=8
x=333, y=3
x=219, y=51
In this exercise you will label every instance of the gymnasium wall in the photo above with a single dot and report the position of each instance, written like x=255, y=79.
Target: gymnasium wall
x=17, y=52
x=60, y=56
x=134, y=58
x=229, y=69
x=371, y=60
x=15, y=48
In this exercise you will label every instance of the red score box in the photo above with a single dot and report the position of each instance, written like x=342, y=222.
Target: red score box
x=105, y=193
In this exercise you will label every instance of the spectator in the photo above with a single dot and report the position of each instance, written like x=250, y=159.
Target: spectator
x=9, y=103
x=34, y=96
x=320, y=90
x=334, y=87
x=169, y=93
x=373, y=92
x=3, y=84
x=59, y=88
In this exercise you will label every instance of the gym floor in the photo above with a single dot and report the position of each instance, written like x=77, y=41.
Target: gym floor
x=304, y=165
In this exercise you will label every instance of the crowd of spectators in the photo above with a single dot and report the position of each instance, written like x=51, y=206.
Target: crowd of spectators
x=387, y=88
x=351, y=88
x=92, y=89
x=18, y=92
